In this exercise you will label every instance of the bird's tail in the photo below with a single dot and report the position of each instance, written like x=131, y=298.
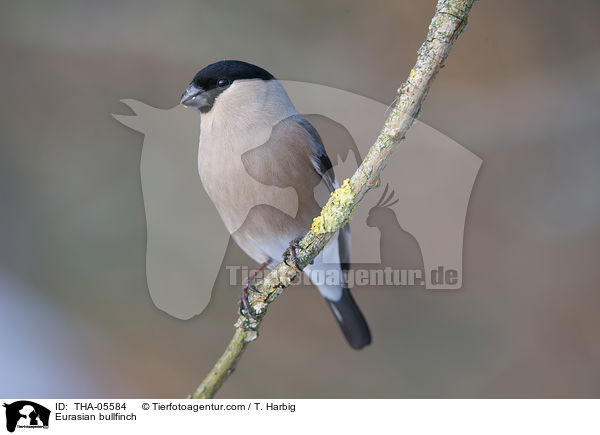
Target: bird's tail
x=351, y=320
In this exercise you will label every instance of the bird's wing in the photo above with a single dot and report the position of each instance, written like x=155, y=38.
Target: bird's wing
x=324, y=168
x=320, y=159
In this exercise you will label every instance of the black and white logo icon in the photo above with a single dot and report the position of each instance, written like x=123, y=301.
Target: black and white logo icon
x=25, y=414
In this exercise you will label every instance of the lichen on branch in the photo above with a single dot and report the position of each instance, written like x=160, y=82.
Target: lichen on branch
x=337, y=212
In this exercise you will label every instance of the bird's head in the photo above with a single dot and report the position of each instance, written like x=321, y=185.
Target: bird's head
x=227, y=77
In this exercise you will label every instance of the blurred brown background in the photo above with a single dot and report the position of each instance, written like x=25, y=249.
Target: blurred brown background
x=520, y=90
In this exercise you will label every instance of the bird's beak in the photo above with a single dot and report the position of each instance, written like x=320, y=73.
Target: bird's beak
x=192, y=97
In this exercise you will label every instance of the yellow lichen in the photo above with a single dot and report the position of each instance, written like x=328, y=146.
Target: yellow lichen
x=336, y=212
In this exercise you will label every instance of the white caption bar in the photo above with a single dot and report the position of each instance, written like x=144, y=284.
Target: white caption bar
x=263, y=416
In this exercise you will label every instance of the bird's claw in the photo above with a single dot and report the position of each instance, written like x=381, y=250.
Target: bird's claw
x=290, y=253
x=244, y=303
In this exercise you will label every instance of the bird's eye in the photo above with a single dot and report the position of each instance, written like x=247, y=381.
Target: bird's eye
x=222, y=83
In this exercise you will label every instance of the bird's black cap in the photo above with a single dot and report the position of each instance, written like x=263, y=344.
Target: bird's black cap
x=229, y=70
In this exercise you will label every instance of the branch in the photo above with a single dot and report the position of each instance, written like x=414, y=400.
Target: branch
x=448, y=22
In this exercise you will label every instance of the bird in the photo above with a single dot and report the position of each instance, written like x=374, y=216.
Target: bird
x=264, y=167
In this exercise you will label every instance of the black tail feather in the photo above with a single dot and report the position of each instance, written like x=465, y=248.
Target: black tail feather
x=351, y=320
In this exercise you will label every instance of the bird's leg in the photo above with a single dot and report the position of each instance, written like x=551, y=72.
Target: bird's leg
x=243, y=303
x=290, y=253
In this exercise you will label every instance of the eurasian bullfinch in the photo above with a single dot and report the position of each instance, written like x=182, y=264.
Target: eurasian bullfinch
x=253, y=145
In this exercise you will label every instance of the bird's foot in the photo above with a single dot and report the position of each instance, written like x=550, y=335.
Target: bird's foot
x=290, y=253
x=243, y=302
